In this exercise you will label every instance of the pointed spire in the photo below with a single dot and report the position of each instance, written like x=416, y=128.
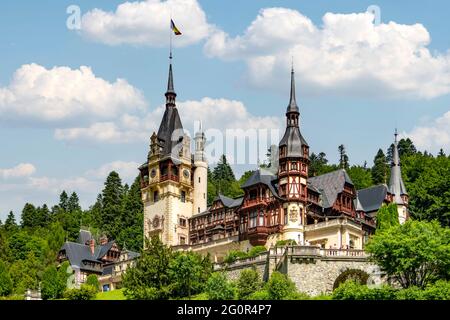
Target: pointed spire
x=396, y=184
x=170, y=88
x=292, y=107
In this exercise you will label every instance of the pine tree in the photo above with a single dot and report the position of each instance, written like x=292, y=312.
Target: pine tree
x=10, y=222
x=343, y=158
x=73, y=204
x=112, y=196
x=379, y=169
x=317, y=164
x=29, y=216
x=63, y=201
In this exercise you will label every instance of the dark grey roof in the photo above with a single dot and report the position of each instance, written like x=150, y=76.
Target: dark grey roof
x=84, y=236
x=396, y=186
x=293, y=140
x=170, y=132
x=229, y=202
x=371, y=199
x=292, y=107
x=77, y=253
x=265, y=177
x=167, y=136
x=105, y=248
x=330, y=185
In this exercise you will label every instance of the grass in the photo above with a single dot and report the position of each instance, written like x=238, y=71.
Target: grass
x=111, y=295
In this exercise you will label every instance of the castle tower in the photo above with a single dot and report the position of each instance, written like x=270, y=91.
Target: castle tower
x=293, y=172
x=166, y=177
x=396, y=186
x=200, y=173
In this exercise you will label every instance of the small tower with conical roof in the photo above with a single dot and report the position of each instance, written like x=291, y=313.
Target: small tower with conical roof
x=293, y=171
x=200, y=172
x=397, y=188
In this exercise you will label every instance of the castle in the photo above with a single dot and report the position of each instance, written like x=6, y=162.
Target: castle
x=279, y=203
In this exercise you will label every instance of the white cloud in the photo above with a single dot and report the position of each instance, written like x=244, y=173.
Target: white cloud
x=347, y=54
x=62, y=94
x=21, y=170
x=147, y=23
x=218, y=114
x=434, y=136
x=127, y=170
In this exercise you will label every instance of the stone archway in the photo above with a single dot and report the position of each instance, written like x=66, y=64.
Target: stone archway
x=357, y=275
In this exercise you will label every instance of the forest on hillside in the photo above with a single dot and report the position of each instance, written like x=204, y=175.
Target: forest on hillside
x=29, y=245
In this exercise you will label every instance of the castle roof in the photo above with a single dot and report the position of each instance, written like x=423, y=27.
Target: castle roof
x=330, y=185
x=396, y=186
x=371, y=199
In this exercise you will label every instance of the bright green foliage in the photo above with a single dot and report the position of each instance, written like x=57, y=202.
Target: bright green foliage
x=10, y=223
x=259, y=295
x=289, y=242
x=6, y=284
x=189, y=272
x=248, y=283
x=219, y=288
x=234, y=255
x=427, y=180
x=380, y=168
x=415, y=253
x=54, y=282
x=111, y=295
x=150, y=278
x=86, y=292
x=361, y=177
x=92, y=280
x=280, y=287
x=351, y=290
x=387, y=216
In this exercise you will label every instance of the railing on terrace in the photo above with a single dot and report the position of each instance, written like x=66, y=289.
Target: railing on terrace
x=239, y=262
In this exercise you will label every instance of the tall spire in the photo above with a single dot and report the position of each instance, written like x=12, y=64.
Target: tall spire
x=396, y=185
x=292, y=107
x=170, y=93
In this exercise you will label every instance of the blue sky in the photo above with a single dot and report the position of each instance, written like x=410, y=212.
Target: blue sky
x=54, y=113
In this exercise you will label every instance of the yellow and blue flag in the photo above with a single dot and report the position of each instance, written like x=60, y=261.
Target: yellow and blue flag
x=174, y=28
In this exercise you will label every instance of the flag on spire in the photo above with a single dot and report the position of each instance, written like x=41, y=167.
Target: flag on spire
x=174, y=28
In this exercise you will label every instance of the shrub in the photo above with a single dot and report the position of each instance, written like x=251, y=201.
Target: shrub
x=219, y=288
x=280, y=286
x=6, y=284
x=438, y=291
x=259, y=295
x=256, y=251
x=233, y=255
x=411, y=293
x=289, y=242
x=248, y=283
x=92, y=280
x=86, y=292
x=351, y=290
x=298, y=296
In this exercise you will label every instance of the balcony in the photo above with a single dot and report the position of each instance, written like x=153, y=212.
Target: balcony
x=172, y=177
x=258, y=235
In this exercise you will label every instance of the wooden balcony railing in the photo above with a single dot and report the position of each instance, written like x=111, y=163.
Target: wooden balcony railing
x=169, y=177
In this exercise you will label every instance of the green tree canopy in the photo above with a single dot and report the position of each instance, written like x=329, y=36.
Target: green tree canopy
x=415, y=253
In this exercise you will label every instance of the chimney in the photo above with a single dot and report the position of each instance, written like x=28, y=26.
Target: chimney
x=92, y=246
x=103, y=240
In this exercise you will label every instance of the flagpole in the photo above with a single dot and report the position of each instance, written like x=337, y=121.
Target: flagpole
x=170, y=28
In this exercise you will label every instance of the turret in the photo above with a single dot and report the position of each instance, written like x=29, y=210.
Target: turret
x=396, y=186
x=200, y=172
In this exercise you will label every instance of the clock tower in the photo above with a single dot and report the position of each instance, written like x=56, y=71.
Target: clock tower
x=167, y=178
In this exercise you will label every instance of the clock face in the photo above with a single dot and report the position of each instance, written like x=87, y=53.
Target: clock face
x=186, y=173
x=153, y=173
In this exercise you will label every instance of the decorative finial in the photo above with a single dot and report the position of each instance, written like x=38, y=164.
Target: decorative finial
x=396, y=134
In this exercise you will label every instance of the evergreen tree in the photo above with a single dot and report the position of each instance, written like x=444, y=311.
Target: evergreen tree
x=73, y=204
x=343, y=158
x=6, y=284
x=29, y=216
x=318, y=164
x=10, y=222
x=64, y=201
x=223, y=171
x=379, y=169
x=112, y=197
